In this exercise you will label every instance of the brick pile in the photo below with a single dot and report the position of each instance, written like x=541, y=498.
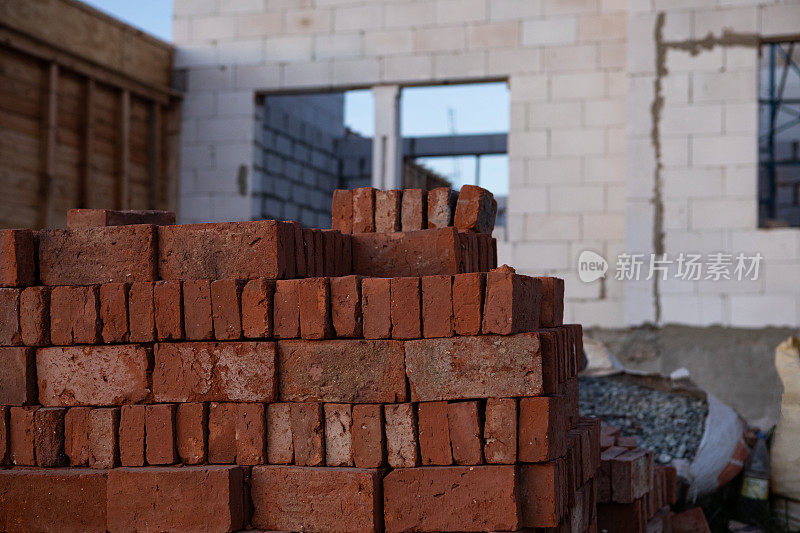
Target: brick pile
x=163, y=377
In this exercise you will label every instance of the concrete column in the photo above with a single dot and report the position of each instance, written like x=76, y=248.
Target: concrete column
x=387, y=145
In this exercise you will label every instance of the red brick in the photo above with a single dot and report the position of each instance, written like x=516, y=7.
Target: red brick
x=483, y=252
x=308, y=429
x=401, y=435
x=319, y=255
x=18, y=375
x=257, y=301
x=413, y=210
x=49, y=436
x=623, y=518
x=387, y=211
x=179, y=499
x=160, y=434
x=338, y=434
x=280, y=449
x=286, y=309
x=311, y=252
x=168, y=303
x=347, y=259
x=222, y=433
x=346, y=306
x=552, y=311
x=406, y=310
x=474, y=252
x=21, y=437
x=114, y=312
x=141, y=314
x=315, y=308
x=437, y=306
x=132, y=435
x=342, y=210
x=341, y=371
x=93, y=375
x=465, y=432
x=475, y=210
x=468, y=291
x=289, y=498
x=87, y=256
x=191, y=421
x=369, y=442
x=103, y=443
x=10, y=333
x=691, y=521
x=290, y=255
x=630, y=475
x=542, y=428
x=214, y=372
x=34, y=316
x=376, y=306
x=89, y=218
x=330, y=258
x=77, y=426
x=75, y=315
x=197, y=317
x=441, y=206
x=363, y=210
x=452, y=498
x=299, y=249
x=64, y=500
x=17, y=264
x=485, y=366
x=223, y=250
x=226, y=297
x=5, y=426
x=500, y=431
x=543, y=491
x=251, y=433
x=512, y=302
x=428, y=252
x=434, y=434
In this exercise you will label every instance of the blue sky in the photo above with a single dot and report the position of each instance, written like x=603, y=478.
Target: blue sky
x=480, y=108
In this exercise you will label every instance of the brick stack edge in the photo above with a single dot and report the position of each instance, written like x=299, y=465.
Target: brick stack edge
x=163, y=377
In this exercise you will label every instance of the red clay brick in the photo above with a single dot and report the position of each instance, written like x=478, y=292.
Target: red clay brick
x=542, y=428
x=483, y=252
x=191, y=421
x=222, y=433
x=468, y=291
x=630, y=475
x=341, y=370
x=351, y=501
x=141, y=314
x=103, y=443
x=223, y=250
x=77, y=426
x=290, y=256
x=413, y=210
x=345, y=300
x=428, y=252
x=89, y=218
x=280, y=449
x=10, y=334
x=369, y=442
x=21, y=439
x=437, y=306
x=330, y=259
x=159, y=499
x=319, y=257
x=311, y=251
x=299, y=248
x=65, y=500
x=114, y=312
x=338, y=434
x=363, y=210
x=18, y=375
x=315, y=308
x=168, y=304
x=251, y=433
x=286, y=309
x=458, y=368
x=434, y=433
x=691, y=521
x=543, y=493
x=376, y=306
x=512, y=302
x=624, y=518
x=132, y=435
x=308, y=429
x=49, y=436
x=34, y=316
x=226, y=297
x=552, y=311
x=342, y=210
x=17, y=265
x=257, y=301
x=5, y=426
x=214, y=371
x=75, y=315
x=401, y=435
x=406, y=308
x=441, y=207
x=452, y=498
x=387, y=211
x=475, y=210
x=500, y=431
x=160, y=434
x=93, y=375
x=465, y=432
x=198, y=323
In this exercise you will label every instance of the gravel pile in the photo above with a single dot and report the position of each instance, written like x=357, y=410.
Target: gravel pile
x=669, y=424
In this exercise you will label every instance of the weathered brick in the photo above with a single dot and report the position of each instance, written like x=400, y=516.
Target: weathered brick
x=387, y=211
x=413, y=211
x=114, y=312
x=441, y=207
x=500, y=431
x=369, y=442
x=10, y=333
x=141, y=315
x=401, y=435
x=17, y=264
x=49, y=436
x=311, y=252
x=257, y=301
x=5, y=426
x=290, y=257
x=75, y=315
x=542, y=428
x=299, y=249
x=308, y=429
x=405, y=308
x=427, y=252
x=552, y=310
x=342, y=210
x=437, y=306
x=468, y=292
x=330, y=255
x=631, y=475
x=286, y=309
x=315, y=308
x=34, y=316
x=103, y=443
x=21, y=441
x=319, y=255
x=341, y=370
x=168, y=303
x=89, y=218
x=18, y=375
x=93, y=375
x=160, y=434
x=376, y=306
x=132, y=435
x=198, y=323
x=214, y=371
x=346, y=306
x=226, y=296
x=475, y=210
x=512, y=302
x=251, y=433
x=434, y=433
x=363, y=210
x=280, y=449
x=77, y=427
x=543, y=493
x=338, y=434
x=191, y=422
x=465, y=432
x=222, y=433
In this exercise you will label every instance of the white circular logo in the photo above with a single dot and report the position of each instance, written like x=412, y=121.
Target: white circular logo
x=591, y=266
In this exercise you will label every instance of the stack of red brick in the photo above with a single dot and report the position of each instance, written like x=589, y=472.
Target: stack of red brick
x=633, y=494
x=215, y=376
